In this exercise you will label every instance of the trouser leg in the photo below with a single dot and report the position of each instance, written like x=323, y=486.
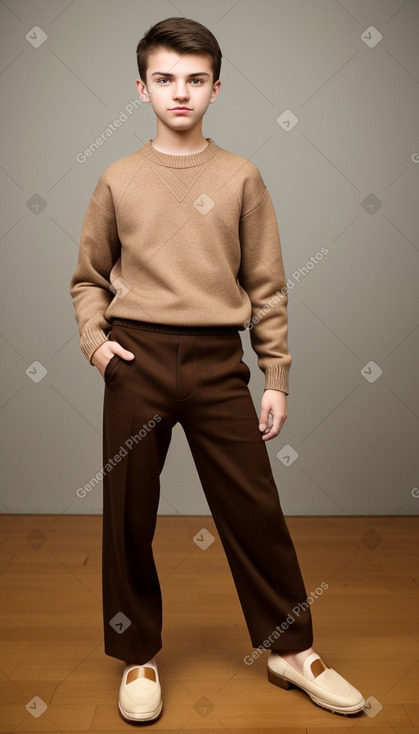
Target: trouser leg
x=137, y=426
x=221, y=426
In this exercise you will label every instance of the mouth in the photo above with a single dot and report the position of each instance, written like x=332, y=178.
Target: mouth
x=184, y=109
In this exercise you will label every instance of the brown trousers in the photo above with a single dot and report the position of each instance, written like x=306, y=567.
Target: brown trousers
x=194, y=376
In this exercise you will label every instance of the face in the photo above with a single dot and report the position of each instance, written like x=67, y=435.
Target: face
x=176, y=81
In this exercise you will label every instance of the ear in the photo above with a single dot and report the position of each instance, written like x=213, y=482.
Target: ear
x=215, y=91
x=142, y=91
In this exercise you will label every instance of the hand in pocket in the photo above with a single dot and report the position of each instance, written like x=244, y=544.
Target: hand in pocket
x=104, y=353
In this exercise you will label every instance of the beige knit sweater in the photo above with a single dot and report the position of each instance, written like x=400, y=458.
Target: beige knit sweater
x=184, y=239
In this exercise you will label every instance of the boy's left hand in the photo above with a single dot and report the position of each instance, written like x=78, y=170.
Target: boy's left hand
x=273, y=402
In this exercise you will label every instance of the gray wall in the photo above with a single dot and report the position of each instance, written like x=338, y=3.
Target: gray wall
x=345, y=177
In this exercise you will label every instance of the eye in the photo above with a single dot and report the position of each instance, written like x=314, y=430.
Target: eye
x=200, y=81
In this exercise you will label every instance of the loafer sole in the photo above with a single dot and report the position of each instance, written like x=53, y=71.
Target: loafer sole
x=148, y=716
x=279, y=680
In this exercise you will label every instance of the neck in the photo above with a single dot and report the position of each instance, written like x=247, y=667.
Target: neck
x=179, y=142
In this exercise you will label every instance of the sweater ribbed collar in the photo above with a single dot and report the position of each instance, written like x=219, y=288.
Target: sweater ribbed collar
x=179, y=161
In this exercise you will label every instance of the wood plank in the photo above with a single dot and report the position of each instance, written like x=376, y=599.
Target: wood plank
x=366, y=626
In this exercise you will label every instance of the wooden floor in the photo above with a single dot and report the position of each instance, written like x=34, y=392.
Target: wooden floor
x=55, y=676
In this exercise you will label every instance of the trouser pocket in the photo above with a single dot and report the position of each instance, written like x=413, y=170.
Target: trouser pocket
x=111, y=367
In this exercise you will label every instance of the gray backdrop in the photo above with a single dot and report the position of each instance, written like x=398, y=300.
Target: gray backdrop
x=323, y=96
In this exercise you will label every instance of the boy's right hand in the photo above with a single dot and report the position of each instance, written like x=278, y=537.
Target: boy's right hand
x=104, y=353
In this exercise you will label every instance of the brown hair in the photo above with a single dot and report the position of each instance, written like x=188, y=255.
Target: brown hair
x=182, y=35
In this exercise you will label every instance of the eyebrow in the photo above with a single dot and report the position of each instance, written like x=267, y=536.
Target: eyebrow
x=163, y=73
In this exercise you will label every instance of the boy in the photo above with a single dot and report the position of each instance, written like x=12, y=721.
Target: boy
x=179, y=252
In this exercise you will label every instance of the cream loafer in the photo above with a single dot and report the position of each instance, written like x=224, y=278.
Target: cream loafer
x=140, y=692
x=323, y=684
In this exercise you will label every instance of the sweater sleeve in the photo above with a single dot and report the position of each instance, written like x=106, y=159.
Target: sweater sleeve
x=262, y=276
x=90, y=285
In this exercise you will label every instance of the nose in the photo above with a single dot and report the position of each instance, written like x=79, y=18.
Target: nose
x=180, y=91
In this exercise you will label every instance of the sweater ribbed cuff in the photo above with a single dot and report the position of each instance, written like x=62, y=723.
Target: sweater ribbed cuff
x=276, y=378
x=90, y=340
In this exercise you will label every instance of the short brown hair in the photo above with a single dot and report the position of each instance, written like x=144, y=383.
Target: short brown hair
x=182, y=35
